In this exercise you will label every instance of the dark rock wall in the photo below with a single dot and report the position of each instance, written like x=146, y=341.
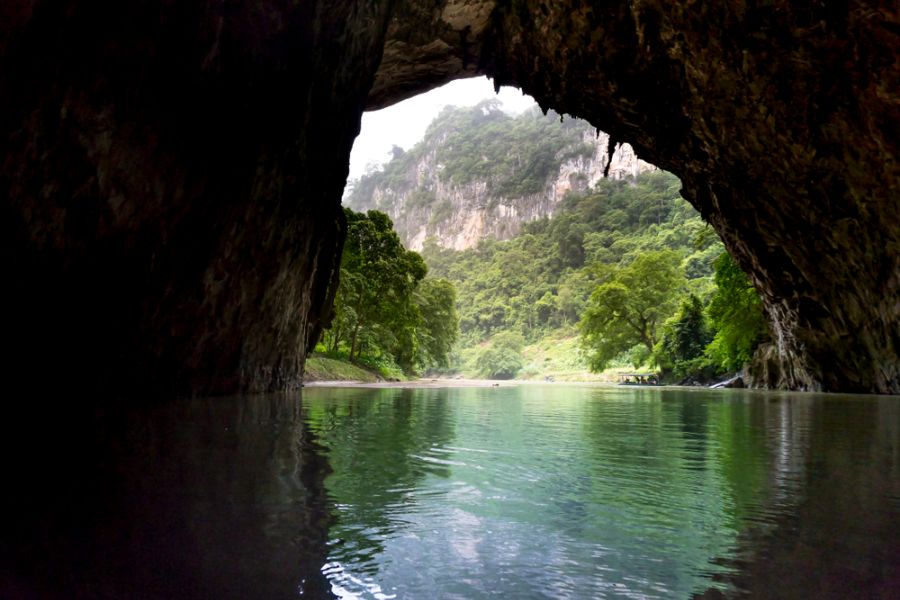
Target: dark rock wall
x=780, y=117
x=782, y=120
x=171, y=175
x=171, y=171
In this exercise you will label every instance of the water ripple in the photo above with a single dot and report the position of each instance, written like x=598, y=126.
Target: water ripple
x=578, y=492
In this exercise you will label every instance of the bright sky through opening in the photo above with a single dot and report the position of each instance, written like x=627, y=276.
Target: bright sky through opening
x=404, y=123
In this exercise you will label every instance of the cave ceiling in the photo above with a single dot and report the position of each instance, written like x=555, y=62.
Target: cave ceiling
x=174, y=170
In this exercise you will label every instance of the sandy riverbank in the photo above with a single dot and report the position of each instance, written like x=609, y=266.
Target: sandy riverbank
x=443, y=383
x=416, y=383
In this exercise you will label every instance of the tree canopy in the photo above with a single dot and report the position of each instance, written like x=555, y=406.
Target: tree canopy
x=736, y=314
x=502, y=358
x=626, y=264
x=631, y=262
x=439, y=328
x=384, y=306
x=681, y=349
x=628, y=309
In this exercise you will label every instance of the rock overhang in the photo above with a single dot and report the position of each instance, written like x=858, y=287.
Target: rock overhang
x=782, y=120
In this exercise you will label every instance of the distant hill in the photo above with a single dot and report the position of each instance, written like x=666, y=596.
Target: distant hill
x=480, y=173
x=537, y=286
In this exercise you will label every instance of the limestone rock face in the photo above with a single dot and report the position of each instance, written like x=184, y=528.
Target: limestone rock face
x=171, y=171
x=426, y=204
x=781, y=120
x=430, y=43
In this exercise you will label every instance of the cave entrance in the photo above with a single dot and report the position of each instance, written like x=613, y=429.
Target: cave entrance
x=393, y=139
x=524, y=212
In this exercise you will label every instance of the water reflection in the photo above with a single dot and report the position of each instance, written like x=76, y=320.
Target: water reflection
x=218, y=498
x=531, y=492
x=381, y=447
x=568, y=492
x=827, y=527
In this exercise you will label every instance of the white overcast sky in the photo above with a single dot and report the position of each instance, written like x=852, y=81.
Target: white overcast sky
x=404, y=123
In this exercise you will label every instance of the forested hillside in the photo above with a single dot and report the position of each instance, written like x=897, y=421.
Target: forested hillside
x=628, y=265
x=480, y=172
x=557, y=269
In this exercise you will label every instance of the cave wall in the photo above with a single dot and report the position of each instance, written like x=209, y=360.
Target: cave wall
x=782, y=120
x=171, y=172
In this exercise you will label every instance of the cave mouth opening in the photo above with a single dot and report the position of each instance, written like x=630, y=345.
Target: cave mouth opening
x=481, y=174
x=171, y=177
x=392, y=130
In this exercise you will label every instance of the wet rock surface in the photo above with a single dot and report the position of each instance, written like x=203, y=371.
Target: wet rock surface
x=171, y=173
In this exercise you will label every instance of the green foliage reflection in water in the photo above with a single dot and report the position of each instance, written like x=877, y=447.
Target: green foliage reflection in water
x=610, y=486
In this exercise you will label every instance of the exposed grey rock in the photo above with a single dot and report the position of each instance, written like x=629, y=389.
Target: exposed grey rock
x=462, y=214
x=734, y=382
x=782, y=122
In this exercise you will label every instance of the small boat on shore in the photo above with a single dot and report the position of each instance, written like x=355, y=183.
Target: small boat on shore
x=638, y=379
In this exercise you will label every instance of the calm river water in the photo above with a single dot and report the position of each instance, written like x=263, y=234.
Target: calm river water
x=556, y=491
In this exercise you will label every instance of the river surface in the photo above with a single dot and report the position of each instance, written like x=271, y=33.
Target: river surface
x=553, y=491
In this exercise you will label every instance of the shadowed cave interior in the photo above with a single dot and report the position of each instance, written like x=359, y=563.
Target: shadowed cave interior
x=172, y=175
x=171, y=179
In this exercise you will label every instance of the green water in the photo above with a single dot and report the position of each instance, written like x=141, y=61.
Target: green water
x=553, y=491
x=586, y=492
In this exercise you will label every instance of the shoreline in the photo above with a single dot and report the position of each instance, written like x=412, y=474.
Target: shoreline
x=448, y=383
x=441, y=383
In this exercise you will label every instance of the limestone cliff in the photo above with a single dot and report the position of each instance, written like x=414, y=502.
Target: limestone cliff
x=523, y=168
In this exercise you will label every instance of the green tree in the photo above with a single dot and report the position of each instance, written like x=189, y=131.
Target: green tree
x=373, y=304
x=384, y=306
x=439, y=327
x=541, y=280
x=628, y=309
x=682, y=345
x=503, y=358
x=686, y=335
x=736, y=313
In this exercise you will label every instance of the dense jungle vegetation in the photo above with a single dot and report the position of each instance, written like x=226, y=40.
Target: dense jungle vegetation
x=629, y=267
x=625, y=274
x=387, y=314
